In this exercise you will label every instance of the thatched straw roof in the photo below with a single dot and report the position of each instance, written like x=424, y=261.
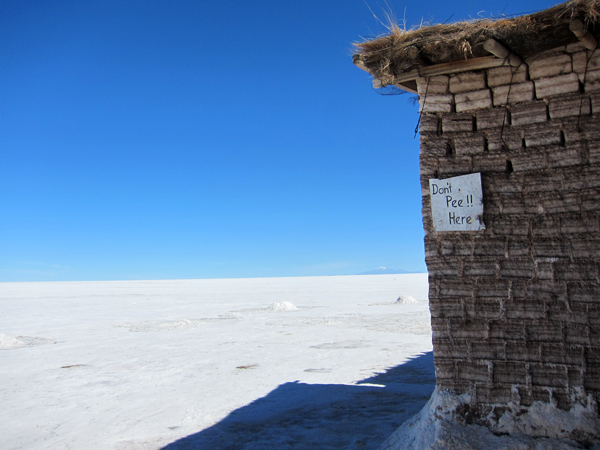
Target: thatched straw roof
x=390, y=56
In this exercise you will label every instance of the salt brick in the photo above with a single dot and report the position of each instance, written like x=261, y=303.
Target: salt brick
x=548, y=180
x=445, y=266
x=585, y=224
x=575, y=376
x=559, y=311
x=592, y=355
x=447, y=247
x=492, y=287
x=556, y=64
x=580, y=61
x=456, y=289
x=592, y=81
x=439, y=329
x=453, y=123
x=493, y=209
x=583, y=291
x=512, y=204
x=535, y=394
x=518, y=288
x=576, y=271
x=471, y=101
x=581, y=177
x=489, y=163
x=594, y=62
x=592, y=377
x=575, y=47
x=542, y=134
x=470, y=371
x=511, y=227
x=500, y=184
x=562, y=398
x=489, y=350
x=549, y=249
x=585, y=248
x=573, y=133
x=429, y=123
x=495, y=395
x=483, y=308
x=434, y=145
x=479, y=267
x=529, y=113
x=589, y=125
x=436, y=103
x=528, y=161
x=490, y=247
x=561, y=157
x=514, y=93
x=432, y=85
x=508, y=138
x=445, y=370
x=492, y=118
x=544, y=331
x=507, y=330
x=446, y=309
x=504, y=75
x=544, y=271
x=455, y=349
x=509, y=372
x=558, y=85
x=467, y=81
x=569, y=106
x=429, y=165
x=588, y=313
x=549, y=375
x=519, y=248
x=470, y=144
x=523, y=351
x=544, y=226
x=525, y=309
x=517, y=268
x=559, y=353
x=454, y=166
x=460, y=329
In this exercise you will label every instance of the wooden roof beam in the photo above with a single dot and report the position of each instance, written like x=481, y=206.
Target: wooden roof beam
x=358, y=62
x=586, y=38
x=500, y=51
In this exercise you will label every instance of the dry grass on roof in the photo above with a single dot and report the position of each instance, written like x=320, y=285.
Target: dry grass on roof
x=402, y=50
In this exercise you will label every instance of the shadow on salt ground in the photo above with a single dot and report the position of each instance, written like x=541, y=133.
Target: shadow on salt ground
x=323, y=416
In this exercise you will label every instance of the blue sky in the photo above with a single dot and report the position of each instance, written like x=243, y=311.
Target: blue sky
x=195, y=139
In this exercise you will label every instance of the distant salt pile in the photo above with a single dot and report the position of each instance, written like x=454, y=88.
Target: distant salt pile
x=7, y=342
x=406, y=300
x=282, y=306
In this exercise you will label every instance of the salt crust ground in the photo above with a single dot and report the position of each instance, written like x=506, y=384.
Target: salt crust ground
x=434, y=429
x=206, y=364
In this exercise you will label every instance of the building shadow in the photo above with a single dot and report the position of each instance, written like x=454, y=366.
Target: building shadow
x=323, y=416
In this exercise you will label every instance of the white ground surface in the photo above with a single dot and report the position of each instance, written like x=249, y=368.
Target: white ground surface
x=207, y=364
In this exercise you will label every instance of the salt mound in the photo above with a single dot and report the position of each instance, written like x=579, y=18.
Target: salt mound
x=7, y=342
x=406, y=300
x=282, y=306
x=435, y=429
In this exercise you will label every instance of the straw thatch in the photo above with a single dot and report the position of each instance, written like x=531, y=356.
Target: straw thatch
x=403, y=50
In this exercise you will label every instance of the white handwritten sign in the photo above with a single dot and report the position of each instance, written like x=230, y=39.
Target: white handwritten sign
x=457, y=203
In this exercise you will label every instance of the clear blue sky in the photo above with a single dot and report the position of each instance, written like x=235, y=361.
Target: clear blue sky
x=198, y=139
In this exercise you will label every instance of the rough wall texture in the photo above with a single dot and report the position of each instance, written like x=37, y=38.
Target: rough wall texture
x=516, y=307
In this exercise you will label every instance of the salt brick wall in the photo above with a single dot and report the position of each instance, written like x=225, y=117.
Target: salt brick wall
x=515, y=308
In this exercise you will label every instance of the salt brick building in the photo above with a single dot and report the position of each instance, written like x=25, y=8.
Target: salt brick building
x=515, y=307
